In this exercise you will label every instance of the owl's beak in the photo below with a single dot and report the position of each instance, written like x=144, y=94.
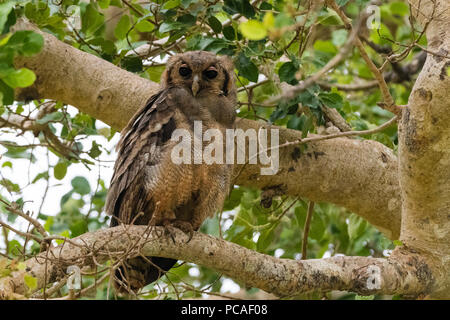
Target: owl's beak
x=195, y=85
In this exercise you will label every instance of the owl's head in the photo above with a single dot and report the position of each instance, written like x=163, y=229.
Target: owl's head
x=201, y=72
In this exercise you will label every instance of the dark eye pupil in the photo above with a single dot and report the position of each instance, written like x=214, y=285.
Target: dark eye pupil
x=184, y=71
x=211, y=74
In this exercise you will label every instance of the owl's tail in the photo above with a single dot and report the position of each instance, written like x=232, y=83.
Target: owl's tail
x=138, y=272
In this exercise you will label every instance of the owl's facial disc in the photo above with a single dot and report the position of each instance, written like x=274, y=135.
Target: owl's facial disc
x=196, y=77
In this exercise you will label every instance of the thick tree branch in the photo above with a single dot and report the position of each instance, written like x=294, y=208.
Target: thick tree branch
x=424, y=149
x=403, y=273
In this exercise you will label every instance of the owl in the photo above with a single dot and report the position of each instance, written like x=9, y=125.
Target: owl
x=147, y=187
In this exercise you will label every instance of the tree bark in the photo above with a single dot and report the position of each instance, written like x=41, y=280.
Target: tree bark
x=424, y=150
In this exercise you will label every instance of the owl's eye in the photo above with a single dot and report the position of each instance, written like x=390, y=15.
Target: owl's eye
x=185, y=71
x=210, y=73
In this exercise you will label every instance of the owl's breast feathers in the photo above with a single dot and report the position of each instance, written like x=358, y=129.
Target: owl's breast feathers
x=145, y=180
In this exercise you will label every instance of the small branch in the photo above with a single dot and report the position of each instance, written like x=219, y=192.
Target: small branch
x=336, y=118
x=306, y=230
x=349, y=87
x=388, y=103
x=26, y=216
x=252, y=86
x=20, y=233
x=303, y=85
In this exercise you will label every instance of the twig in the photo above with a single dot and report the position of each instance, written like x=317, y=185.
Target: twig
x=306, y=229
x=388, y=103
x=20, y=233
x=303, y=85
x=27, y=217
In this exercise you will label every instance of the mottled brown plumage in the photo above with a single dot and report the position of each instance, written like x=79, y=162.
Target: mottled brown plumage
x=196, y=85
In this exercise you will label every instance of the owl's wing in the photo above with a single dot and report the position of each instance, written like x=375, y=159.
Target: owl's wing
x=138, y=148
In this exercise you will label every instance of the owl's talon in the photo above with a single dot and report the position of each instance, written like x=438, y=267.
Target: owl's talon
x=169, y=229
x=184, y=226
x=171, y=232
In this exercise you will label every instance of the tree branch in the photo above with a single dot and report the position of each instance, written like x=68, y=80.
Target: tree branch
x=424, y=140
x=402, y=273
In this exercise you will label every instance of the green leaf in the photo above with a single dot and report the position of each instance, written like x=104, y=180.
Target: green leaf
x=65, y=234
x=25, y=43
x=356, y=226
x=104, y=4
x=123, y=26
x=187, y=20
x=253, y=30
x=239, y=6
x=229, y=33
x=91, y=19
x=309, y=98
x=325, y=46
x=266, y=238
x=234, y=199
x=95, y=150
x=51, y=117
x=21, y=266
x=7, y=93
x=30, y=281
x=154, y=73
x=42, y=175
x=17, y=152
x=15, y=247
x=81, y=185
x=132, y=64
x=78, y=227
x=7, y=164
x=283, y=20
x=297, y=123
x=145, y=26
x=5, y=69
x=206, y=43
x=215, y=24
x=10, y=21
x=247, y=68
x=329, y=18
x=331, y=99
x=269, y=20
x=341, y=3
x=318, y=227
x=19, y=109
x=287, y=72
x=168, y=26
x=399, y=8
x=171, y=4
x=9, y=185
x=60, y=170
x=20, y=78
x=5, y=9
x=339, y=37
